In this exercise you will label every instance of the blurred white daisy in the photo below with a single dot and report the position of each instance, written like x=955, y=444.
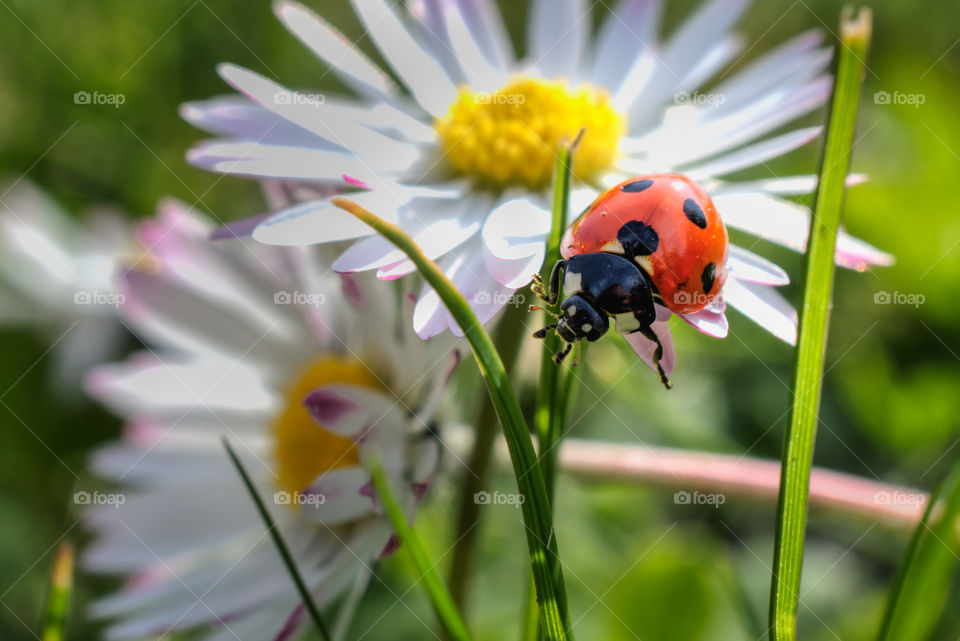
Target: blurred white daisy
x=56, y=275
x=460, y=152
x=306, y=374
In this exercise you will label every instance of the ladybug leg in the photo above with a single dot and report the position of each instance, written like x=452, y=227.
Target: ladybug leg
x=552, y=292
x=542, y=332
x=657, y=354
x=559, y=356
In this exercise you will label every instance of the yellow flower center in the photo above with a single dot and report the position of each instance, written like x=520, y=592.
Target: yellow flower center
x=302, y=449
x=510, y=136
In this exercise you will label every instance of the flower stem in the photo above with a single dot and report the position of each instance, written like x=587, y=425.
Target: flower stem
x=280, y=544
x=508, y=338
x=924, y=581
x=541, y=541
x=443, y=603
x=808, y=373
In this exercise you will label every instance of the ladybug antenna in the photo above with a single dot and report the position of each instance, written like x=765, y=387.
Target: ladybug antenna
x=537, y=308
x=542, y=332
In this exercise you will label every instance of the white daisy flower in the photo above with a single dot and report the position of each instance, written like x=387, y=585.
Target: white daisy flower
x=57, y=275
x=253, y=343
x=460, y=152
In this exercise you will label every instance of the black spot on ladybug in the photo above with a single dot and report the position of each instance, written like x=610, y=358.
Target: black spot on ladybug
x=638, y=239
x=708, y=276
x=694, y=213
x=636, y=186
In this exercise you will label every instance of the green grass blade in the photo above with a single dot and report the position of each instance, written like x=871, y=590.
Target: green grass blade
x=442, y=601
x=928, y=569
x=58, y=602
x=281, y=545
x=818, y=285
x=541, y=541
x=550, y=404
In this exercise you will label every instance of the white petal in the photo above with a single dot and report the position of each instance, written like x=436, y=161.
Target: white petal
x=711, y=323
x=419, y=71
x=336, y=123
x=485, y=22
x=481, y=73
x=629, y=31
x=434, y=240
x=788, y=224
x=148, y=386
x=782, y=186
x=684, y=50
x=556, y=37
x=239, y=117
x=260, y=160
x=764, y=306
x=330, y=45
x=754, y=154
x=319, y=221
x=747, y=266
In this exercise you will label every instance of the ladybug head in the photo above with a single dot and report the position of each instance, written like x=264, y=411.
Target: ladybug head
x=580, y=319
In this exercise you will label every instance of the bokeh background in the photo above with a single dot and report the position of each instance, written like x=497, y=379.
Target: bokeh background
x=891, y=406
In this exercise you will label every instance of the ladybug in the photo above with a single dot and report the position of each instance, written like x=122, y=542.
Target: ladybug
x=649, y=240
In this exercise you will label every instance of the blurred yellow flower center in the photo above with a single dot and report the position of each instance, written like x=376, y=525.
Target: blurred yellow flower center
x=302, y=449
x=509, y=136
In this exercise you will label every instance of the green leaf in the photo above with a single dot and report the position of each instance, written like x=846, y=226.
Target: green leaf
x=443, y=603
x=281, y=545
x=927, y=572
x=811, y=343
x=541, y=540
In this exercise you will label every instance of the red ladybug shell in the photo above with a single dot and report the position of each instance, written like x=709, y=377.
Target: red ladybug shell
x=669, y=226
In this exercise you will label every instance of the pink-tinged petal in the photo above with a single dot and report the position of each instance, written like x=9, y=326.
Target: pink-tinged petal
x=393, y=544
x=710, y=322
x=645, y=348
x=336, y=497
x=349, y=410
x=764, y=306
x=239, y=117
x=854, y=253
x=788, y=224
x=747, y=266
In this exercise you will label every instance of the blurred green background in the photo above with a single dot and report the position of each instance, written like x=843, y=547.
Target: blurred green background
x=891, y=401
